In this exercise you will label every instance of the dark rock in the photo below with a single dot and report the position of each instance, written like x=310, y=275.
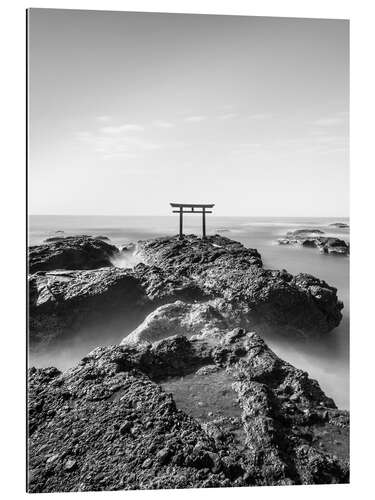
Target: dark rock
x=333, y=246
x=283, y=440
x=304, y=232
x=309, y=243
x=164, y=455
x=341, y=225
x=53, y=238
x=103, y=238
x=72, y=252
x=125, y=427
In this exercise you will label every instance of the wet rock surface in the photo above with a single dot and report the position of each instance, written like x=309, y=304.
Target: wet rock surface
x=316, y=239
x=107, y=424
x=71, y=252
x=223, y=274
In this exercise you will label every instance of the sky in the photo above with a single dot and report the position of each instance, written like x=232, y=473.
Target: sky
x=131, y=111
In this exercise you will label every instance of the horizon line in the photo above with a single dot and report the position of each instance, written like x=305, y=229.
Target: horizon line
x=171, y=215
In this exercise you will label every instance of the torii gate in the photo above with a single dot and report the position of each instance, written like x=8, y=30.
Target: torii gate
x=193, y=210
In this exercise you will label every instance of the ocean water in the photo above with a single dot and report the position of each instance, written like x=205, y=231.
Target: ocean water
x=325, y=359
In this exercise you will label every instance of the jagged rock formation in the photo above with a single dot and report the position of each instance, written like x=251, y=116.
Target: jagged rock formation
x=106, y=424
x=72, y=252
x=218, y=271
x=314, y=239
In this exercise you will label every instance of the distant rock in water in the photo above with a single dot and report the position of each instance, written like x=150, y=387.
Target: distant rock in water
x=313, y=238
x=341, y=225
x=225, y=277
x=304, y=232
x=334, y=246
x=72, y=252
x=106, y=424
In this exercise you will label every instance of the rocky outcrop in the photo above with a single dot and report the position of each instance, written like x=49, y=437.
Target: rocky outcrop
x=225, y=269
x=305, y=232
x=193, y=252
x=72, y=252
x=334, y=246
x=313, y=238
x=107, y=425
x=219, y=272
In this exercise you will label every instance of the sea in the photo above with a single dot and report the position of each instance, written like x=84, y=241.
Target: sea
x=325, y=359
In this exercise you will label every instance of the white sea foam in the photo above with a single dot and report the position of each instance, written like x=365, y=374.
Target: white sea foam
x=126, y=259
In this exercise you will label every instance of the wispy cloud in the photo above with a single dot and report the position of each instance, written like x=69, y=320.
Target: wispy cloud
x=116, y=145
x=260, y=116
x=228, y=116
x=245, y=149
x=103, y=118
x=195, y=118
x=329, y=139
x=332, y=120
x=109, y=156
x=127, y=127
x=334, y=150
x=327, y=122
x=317, y=142
x=163, y=124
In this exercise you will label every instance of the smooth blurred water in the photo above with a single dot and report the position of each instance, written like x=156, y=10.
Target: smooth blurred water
x=326, y=359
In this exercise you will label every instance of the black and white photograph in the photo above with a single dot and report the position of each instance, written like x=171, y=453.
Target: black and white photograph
x=188, y=241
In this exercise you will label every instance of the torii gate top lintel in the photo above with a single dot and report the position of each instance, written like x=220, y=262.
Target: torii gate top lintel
x=193, y=205
x=191, y=208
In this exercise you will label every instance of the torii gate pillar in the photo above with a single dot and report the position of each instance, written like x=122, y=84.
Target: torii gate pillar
x=181, y=224
x=204, y=223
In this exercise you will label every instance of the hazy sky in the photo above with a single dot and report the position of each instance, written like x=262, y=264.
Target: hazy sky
x=129, y=111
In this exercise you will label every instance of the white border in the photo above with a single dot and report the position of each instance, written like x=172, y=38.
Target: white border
x=12, y=289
